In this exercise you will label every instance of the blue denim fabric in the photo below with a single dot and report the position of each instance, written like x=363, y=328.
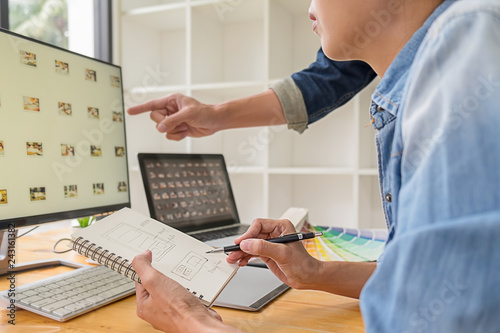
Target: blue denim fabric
x=340, y=81
x=437, y=113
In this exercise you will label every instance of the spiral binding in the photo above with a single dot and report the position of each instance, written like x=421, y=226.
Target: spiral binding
x=104, y=257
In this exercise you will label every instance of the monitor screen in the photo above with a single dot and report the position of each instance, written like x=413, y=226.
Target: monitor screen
x=62, y=134
x=189, y=192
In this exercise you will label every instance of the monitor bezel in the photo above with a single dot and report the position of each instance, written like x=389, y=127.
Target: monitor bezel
x=25, y=221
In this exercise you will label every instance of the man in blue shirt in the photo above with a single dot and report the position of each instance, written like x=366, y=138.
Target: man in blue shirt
x=436, y=111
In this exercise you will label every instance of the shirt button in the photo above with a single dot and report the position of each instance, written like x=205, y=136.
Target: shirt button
x=380, y=109
x=388, y=197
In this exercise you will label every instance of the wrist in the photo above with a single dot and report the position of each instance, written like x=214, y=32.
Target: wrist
x=206, y=324
x=221, y=116
x=315, y=277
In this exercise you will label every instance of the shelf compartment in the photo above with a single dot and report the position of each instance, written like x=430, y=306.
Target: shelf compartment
x=229, y=46
x=370, y=210
x=246, y=147
x=155, y=49
x=247, y=190
x=329, y=198
x=292, y=43
x=334, y=136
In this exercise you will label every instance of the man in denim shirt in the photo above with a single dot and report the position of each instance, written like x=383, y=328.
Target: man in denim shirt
x=436, y=112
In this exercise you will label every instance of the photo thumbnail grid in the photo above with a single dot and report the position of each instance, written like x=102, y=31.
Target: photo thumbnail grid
x=35, y=149
x=188, y=190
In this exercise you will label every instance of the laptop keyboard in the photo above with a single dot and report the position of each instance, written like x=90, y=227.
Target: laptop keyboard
x=221, y=233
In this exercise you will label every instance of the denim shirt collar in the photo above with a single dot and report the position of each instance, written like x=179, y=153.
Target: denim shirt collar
x=389, y=92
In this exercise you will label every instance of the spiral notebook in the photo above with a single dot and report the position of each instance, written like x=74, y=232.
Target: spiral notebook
x=117, y=239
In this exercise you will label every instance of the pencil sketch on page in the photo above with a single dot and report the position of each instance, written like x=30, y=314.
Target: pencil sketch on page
x=189, y=266
x=136, y=238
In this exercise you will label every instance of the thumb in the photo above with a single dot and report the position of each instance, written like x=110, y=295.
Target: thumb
x=262, y=248
x=142, y=266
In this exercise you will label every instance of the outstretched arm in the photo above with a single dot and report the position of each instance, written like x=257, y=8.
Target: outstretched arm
x=180, y=116
x=298, y=100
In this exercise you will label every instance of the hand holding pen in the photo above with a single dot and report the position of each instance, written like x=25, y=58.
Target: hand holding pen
x=281, y=239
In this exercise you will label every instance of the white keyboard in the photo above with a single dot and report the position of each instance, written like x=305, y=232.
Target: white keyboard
x=74, y=293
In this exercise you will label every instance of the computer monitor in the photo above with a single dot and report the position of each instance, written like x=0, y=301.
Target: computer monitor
x=62, y=136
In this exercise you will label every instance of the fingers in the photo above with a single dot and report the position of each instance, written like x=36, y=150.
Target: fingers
x=262, y=248
x=153, y=105
x=260, y=228
x=174, y=121
x=140, y=291
x=177, y=136
x=266, y=228
x=214, y=314
x=239, y=257
x=158, y=116
x=142, y=297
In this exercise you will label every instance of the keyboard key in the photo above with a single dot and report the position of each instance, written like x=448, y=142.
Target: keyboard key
x=56, y=305
x=31, y=299
x=73, y=307
x=43, y=302
x=59, y=297
x=29, y=293
x=95, y=299
x=62, y=312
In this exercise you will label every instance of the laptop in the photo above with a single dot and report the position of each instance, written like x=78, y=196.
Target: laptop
x=192, y=193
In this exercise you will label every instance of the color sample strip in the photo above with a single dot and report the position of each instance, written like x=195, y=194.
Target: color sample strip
x=344, y=244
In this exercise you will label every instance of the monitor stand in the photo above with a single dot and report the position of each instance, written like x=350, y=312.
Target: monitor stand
x=6, y=261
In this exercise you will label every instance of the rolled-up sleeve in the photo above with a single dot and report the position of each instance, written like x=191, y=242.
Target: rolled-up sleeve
x=324, y=86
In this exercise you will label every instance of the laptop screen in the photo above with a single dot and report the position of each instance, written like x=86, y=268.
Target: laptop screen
x=189, y=192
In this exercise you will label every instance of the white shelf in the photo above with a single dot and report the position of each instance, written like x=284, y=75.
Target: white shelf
x=154, y=10
x=128, y=6
x=368, y=172
x=217, y=50
x=311, y=171
x=242, y=170
x=157, y=90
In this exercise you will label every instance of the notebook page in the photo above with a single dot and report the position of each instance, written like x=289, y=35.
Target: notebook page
x=177, y=255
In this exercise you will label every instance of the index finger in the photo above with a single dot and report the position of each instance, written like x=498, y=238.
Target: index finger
x=266, y=228
x=152, y=105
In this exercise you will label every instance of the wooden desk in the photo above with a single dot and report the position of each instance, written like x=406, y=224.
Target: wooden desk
x=295, y=311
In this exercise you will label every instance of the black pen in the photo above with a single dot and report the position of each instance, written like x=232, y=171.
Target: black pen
x=281, y=239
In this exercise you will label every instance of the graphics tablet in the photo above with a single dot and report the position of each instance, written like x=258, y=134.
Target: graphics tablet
x=251, y=289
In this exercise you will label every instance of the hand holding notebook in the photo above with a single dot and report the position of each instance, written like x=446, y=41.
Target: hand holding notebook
x=117, y=239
